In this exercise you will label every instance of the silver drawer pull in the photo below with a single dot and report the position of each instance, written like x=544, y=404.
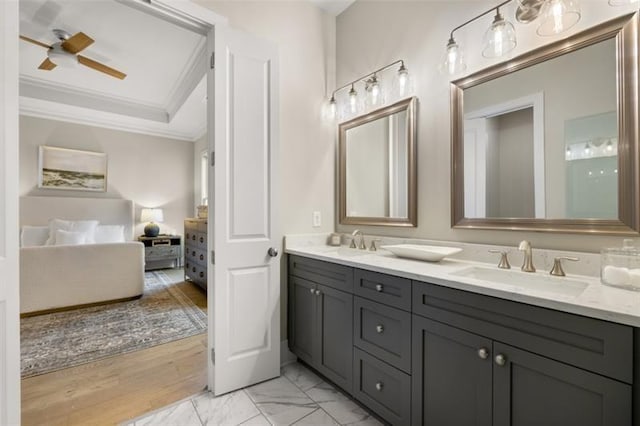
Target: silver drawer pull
x=379, y=288
x=379, y=328
x=483, y=353
x=311, y=291
x=501, y=360
x=317, y=292
x=379, y=386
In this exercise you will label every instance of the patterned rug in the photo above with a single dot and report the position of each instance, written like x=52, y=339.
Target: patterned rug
x=60, y=340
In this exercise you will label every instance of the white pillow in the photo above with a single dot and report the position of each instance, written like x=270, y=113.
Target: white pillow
x=69, y=238
x=109, y=234
x=86, y=226
x=34, y=236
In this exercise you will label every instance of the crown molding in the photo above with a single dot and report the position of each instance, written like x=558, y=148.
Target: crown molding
x=71, y=114
x=191, y=76
x=40, y=89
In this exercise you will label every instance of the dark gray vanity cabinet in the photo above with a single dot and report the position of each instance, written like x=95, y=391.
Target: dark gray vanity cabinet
x=510, y=364
x=321, y=317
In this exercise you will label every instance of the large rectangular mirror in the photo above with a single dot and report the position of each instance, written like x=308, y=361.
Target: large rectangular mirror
x=377, y=170
x=549, y=140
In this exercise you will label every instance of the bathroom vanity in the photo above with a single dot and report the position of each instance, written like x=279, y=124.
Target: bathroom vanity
x=422, y=343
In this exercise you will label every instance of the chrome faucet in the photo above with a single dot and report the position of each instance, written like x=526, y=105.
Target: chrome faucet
x=527, y=264
x=355, y=234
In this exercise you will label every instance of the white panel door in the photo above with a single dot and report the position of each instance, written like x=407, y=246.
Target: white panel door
x=246, y=241
x=9, y=286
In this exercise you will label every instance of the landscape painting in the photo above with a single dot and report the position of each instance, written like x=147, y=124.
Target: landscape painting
x=61, y=168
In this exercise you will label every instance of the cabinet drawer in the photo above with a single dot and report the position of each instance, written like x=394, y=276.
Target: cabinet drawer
x=157, y=252
x=599, y=346
x=382, y=388
x=195, y=225
x=384, y=332
x=195, y=272
x=337, y=276
x=387, y=289
x=195, y=255
x=198, y=240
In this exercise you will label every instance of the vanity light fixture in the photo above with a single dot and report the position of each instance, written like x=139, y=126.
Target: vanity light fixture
x=373, y=90
x=500, y=38
x=556, y=17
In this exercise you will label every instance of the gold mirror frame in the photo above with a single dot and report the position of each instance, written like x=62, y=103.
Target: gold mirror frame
x=625, y=32
x=410, y=105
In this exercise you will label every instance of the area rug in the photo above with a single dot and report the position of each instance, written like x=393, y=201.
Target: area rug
x=60, y=340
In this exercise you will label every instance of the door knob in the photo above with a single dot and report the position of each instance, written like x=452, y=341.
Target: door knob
x=379, y=386
x=501, y=360
x=311, y=290
x=483, y=353
x=379, y=287
x=379, y=328
x=317, y=292
x=273, y=252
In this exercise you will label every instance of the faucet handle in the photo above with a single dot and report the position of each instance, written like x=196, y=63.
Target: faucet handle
x=372, y=246
x=353, y=242
x=504, y=259
x=557, y=265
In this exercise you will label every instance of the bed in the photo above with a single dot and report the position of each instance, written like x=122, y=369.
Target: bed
x=56, y=277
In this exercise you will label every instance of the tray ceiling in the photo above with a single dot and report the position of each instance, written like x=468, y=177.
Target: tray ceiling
x=164, y=64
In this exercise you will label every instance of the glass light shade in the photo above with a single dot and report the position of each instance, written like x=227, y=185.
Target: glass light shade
x=374, y=93
x=402, y=84
x=353, y=101
x=331, y=109
x=558, y=16
x=61, y=57
x=151, y=215
x=499, y=39
x=622, y=2
x=453, y=59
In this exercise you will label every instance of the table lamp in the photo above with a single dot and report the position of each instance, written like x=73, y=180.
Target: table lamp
x=151, y=216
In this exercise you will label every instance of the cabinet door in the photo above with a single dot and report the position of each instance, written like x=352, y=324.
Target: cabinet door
x=335, y=331
x=302, y=319
x=531, y=390
x=451, y=382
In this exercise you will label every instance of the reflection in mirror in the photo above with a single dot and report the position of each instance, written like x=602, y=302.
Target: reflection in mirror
x=377, y=170
x=547, y=141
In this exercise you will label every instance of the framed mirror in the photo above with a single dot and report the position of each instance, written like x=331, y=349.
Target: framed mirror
x=549, y=140
x=377, y=167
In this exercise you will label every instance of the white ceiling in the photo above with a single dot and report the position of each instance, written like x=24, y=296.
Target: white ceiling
x=334, y=7
x=164, y=89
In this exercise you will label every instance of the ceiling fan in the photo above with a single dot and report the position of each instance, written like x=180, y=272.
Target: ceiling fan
x=65, y=53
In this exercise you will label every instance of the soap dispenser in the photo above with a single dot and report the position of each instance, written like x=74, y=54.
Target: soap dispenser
x=620, y=267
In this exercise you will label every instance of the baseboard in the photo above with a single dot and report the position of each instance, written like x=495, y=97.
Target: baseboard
x=286, y=356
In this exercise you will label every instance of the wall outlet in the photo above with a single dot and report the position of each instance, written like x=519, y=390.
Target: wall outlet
x=317, y=219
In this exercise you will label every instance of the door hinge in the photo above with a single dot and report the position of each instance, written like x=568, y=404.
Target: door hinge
x=213, y=60
x=213, y=356
x=213, y=159
x=213, y=257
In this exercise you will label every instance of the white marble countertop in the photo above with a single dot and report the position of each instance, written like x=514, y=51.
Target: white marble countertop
x=596, y=301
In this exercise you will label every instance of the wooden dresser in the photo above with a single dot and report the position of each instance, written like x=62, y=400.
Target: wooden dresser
x=195, y=251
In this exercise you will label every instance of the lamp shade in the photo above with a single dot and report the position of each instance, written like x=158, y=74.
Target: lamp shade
x=151, y=215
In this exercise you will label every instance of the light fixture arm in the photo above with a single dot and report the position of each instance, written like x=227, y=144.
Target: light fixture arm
x=477, y=17
x=366, y=76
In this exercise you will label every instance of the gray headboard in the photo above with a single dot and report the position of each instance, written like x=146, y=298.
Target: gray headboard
x=37, y=211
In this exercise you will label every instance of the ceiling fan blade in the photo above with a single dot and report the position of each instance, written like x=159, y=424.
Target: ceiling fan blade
x=39, y=43
x=77, y=43
x=100, y=67
x=47, y=65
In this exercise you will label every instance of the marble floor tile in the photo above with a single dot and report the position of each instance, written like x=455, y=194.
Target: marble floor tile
x=301, y=376
x=258, y=420
x=231, y=409
x=347, y=412
x=318, y=417
x=281, y=401
x=183, y=414
x=324, y=392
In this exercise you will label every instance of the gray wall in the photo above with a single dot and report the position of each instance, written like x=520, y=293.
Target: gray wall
x=371, y=34
x=151, y=171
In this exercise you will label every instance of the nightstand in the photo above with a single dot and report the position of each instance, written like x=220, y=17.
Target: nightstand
x=163, y=251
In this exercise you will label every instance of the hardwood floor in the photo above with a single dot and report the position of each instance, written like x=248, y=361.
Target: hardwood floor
x=115, y=389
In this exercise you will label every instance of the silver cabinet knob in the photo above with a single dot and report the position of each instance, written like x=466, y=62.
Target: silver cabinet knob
x=311, y=291
x=379, y=328
x=501, y=360
x=273, y=252
x=379, y=386
x=379, y=288
x=483, y=353
x=317, y=292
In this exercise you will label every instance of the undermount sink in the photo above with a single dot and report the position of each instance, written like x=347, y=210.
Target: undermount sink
x=343, y=251
x=524, y=280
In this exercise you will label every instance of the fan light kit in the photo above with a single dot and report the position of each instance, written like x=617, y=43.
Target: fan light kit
x=555, y=16
x=64, y=53
x=372, y=88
